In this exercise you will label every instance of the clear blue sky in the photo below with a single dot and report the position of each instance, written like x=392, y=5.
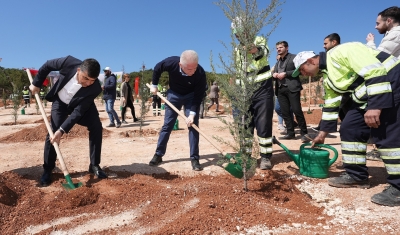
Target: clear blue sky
x=131, y=32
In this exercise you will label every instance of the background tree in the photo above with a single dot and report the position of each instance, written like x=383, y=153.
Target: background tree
x=238, y=85
x=145, y=95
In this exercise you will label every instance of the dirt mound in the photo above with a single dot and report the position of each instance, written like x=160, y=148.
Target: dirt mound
x=39, y=133
x=314, y=117
x=135, y=133
x=167, y=204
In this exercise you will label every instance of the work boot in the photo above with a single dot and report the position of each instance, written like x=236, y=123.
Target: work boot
x=346, y=181
x=373, y=155
x=156, y=160
x=154, y=114
x=265, y=164
x=390, y=196
x=45, y=180
x=306, y=138
x=159, y=114
x=196, y=165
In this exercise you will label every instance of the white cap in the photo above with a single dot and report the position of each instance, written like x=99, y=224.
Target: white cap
x=300, y=59
x=106, y=69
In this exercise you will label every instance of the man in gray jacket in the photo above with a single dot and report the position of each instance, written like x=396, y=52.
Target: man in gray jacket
x=214, y=96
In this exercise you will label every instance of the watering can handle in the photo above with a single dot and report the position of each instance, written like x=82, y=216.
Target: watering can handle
x=332, y=160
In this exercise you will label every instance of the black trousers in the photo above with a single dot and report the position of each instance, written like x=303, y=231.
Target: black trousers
x=59, y=113
x=156, y=104
x=129, y=104
x=287, y=100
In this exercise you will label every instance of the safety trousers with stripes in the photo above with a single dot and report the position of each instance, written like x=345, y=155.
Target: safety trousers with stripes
x=261, y=109
x=354, y=134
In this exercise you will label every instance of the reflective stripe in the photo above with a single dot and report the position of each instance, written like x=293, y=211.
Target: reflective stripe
x=263, y=76
x=393, y=169
x=354, y=146
x=330, y=115
x=333, y=100
x=390, y=153
x=379, y=88
x=354, y=159
x=265, y=141
x=360, y=91
x=389, y=64
x=248, y=140
x=333, y=87
x=265, y=149
x=248, y=150
x=364, y=70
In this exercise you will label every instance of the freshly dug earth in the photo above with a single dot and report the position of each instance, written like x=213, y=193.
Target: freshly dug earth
x=171, y=198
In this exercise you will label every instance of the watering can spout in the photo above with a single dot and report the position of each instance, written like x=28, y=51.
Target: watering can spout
x=294, y=157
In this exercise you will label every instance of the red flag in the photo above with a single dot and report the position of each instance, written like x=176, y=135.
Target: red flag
x=137, y=85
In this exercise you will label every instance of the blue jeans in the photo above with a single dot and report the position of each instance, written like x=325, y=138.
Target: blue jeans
x=110, y=111
x=279, y=112
x=169, y=121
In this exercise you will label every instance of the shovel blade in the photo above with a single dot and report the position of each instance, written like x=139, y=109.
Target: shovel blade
x=71, y=185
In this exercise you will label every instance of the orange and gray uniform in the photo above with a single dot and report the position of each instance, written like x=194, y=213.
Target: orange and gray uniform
x=373, y=78
x=261, y=109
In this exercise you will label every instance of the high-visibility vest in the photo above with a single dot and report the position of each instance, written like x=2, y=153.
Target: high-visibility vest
x=25, y=94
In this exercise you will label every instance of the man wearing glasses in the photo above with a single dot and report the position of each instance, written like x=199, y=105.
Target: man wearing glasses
x=72, y=98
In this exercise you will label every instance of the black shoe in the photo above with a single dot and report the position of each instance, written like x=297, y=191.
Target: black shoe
x=316, y=129
x=346, y=181
x=124, y=122
x=156, y=160
x=196, y=165
x=45, y=180
x=159, y=114
x=265, y=164
x=111, y=125
x=97, y=171
x=136, y=119
x=287, y=137
x=201, y=117
x=390, y=196
x=306, y=138
x=118, y=125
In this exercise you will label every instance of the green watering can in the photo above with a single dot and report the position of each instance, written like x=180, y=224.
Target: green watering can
x=312, y=162
x=234, y=166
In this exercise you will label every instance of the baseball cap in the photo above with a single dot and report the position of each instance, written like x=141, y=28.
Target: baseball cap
x=106, y=69
x=300, y=59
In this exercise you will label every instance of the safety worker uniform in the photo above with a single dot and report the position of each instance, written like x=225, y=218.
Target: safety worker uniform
x=374, y=83
x=261, y=109
x=157, y=102
x=25, y=95
x=42, y=95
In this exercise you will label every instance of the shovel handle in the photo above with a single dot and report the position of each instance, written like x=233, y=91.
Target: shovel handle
x=184, y=117
x=59, y=156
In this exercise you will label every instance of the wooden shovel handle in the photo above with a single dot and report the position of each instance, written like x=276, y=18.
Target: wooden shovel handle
x=193, y=125
x=56, y=147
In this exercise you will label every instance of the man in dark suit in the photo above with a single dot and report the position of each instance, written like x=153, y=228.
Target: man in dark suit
x=288, y=90
x=72, y=98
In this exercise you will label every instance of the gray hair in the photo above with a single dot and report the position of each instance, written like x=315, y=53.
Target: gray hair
x=188, y=57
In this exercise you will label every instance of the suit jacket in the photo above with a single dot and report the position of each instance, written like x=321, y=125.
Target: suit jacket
x=214, y=92
x=82, y=100
x=293, y=83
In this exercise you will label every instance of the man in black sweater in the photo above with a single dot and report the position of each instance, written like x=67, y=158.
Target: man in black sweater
x=187, y=82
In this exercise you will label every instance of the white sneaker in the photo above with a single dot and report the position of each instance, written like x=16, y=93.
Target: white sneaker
x=281, y=127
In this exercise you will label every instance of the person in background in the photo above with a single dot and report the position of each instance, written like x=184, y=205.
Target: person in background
x=109, y=96
x=25, y=95
x=127, y=99
x=214, y=96
x=187, y=83
x=72, y=98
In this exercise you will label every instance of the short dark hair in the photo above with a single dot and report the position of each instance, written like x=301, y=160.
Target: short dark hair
x=91, y=66
x=391, y=12
x=333, y=36
x=285, y=44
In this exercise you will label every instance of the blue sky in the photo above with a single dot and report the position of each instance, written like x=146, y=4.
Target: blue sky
x=127, y=33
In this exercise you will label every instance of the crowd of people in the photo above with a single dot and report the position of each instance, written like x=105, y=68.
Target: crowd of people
x=361, y=86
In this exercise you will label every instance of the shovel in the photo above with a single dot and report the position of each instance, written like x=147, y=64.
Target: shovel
x=69, y=185
x=234, y=167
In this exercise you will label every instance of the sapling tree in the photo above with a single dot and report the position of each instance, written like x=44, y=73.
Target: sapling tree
x=239, y=85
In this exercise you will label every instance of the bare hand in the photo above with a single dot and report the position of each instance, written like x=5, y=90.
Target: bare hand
x=253, y=50
x=319, y=139
x=371, y=118
x=102, y=87
x=281, y=75
x=56, y=138
x=370, y=37
x=190, y=120
x=34, y=89
x=275, y=75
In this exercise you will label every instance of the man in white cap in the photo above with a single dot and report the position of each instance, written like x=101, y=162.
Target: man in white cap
x=373, y=78
x=109, y=95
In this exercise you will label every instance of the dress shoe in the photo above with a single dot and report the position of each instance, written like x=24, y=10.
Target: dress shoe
x=111, y=125
x=287, y=137
x=155, y=160
x=196, y=165
x=45, y=180
x=118, y=125
x=95, y=169
x=136, y=119
x=124, y=122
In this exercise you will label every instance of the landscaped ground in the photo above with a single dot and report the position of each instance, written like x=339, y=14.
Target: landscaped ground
x=171, y=198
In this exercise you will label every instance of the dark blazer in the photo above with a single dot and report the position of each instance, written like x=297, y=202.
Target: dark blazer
x=292, y=82
x=82, y=100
